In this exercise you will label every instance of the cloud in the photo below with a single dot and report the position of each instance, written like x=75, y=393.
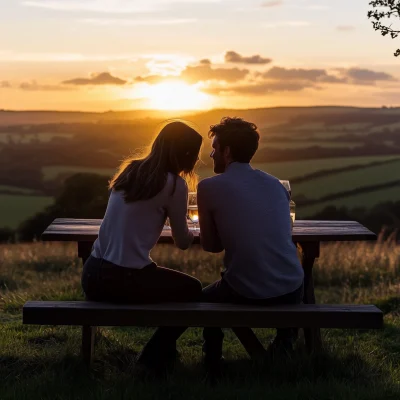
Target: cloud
x=300, y=74
x=287, y=24
x=154, y=79
x=204, y=72
x=101, y=6
x=272, y=3
x=366, y=76
x=345, y=28
x=136, y=22
x=205, y=61
x=199, y=73
x=61, y=57
x=317, y=7
x=233, y=57
x=33, y=86
x=108, y=6
x=260, y=89
x=102, y=78
x=5, y=84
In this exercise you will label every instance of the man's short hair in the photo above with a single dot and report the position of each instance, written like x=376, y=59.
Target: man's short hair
x=241, y=137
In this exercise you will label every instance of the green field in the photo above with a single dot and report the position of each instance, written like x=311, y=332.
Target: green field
x=344, y=181
x=17, y=208
x=310, y=143
x=365, y=200
x=282, y=170
x=29, y=137
x=16, y=190
x=292, y=169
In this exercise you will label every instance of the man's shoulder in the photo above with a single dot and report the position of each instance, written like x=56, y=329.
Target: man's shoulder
x=210, y=187
x=212, y=181
x=266, y=176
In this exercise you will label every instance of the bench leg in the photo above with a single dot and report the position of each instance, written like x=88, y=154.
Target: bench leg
x=250, y=342
x=310, y=251
x=88, y=338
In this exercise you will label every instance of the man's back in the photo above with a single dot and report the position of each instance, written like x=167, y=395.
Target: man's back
x=247, y=211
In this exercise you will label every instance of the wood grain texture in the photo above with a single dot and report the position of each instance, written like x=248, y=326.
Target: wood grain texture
x=86, y=230
x=201, y=314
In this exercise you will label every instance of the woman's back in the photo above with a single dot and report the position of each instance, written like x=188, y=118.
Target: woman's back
x=131, y=229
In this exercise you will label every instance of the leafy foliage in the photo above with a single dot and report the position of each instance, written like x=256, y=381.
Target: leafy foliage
x=82, y=196
x=382, y=11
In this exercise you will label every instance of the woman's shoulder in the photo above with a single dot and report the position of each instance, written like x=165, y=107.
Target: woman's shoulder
x=176, y=182
x=172, y=178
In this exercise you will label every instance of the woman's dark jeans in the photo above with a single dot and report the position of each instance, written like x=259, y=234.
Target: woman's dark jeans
x=105, y=281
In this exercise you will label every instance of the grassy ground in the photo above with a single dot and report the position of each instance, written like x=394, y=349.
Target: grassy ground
x=44, y=362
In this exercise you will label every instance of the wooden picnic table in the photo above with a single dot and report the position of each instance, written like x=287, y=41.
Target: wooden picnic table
x=308, y=234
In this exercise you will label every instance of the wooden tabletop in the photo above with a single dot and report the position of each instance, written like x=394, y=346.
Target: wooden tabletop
x=86, y=230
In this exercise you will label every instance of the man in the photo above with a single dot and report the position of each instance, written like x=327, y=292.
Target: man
x=245, y=212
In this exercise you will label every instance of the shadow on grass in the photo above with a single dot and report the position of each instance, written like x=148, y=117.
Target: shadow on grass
x=115, y=362
x=301, y=367
x=390, y=341
x=389, y=304
x=14, y=370
x=115, y=372
x=48, y=339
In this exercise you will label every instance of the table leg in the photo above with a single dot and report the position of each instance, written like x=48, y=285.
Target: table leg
x=84, y=250
x=310, y=251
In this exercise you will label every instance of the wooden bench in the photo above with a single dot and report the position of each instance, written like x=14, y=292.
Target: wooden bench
x=89, y=315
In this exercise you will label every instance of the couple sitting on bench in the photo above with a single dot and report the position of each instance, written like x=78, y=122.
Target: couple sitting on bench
x=242, y=210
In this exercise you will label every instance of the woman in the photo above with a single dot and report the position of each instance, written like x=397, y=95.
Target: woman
x=144, y=192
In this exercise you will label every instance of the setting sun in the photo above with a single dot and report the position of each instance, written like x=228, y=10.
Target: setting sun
x=176, y=96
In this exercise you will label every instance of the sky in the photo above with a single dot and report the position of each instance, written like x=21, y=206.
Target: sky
x=99, y=55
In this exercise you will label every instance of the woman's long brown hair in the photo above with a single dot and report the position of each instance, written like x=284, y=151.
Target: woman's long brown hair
x=175, y=150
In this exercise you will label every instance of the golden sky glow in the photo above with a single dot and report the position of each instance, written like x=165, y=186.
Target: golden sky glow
x=176, y=96
x=192, y=54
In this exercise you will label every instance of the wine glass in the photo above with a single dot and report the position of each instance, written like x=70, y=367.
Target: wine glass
x=286, y=185
x=193, y=213
x=292, y=204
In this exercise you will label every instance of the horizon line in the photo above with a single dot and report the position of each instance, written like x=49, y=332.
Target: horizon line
x=191, y=111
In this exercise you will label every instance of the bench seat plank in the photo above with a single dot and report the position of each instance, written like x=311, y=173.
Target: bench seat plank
x=201, y=314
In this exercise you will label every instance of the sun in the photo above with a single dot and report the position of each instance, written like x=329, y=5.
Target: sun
x=176, y=96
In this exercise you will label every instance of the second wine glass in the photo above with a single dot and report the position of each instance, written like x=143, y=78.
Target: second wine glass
x=193, y=213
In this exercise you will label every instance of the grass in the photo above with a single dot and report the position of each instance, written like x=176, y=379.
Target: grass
x=17, y=208
x=43, y=362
